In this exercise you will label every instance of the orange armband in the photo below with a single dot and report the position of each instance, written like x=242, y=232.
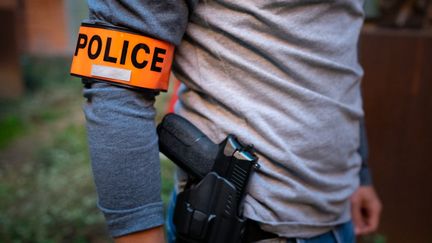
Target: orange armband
x=117, y=55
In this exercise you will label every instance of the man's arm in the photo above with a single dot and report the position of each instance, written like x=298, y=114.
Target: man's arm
x=121, y=129
x=365, y=203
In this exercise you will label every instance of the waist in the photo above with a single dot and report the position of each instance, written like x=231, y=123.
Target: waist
x=342, y=233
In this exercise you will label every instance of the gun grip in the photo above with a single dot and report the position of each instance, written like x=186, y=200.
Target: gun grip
x=186, y=145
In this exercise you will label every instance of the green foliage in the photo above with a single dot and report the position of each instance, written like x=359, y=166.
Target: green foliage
x=51, y=199
x=167, y=172
x=10, y=128
x=49, y=89
x=374, y=238
x=37, y=108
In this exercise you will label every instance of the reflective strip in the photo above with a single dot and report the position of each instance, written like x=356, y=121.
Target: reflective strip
x=111, y=73
x=116, y=55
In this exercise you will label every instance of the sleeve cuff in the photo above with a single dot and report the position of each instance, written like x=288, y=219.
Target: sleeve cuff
x=365, y=177
x=123, y=222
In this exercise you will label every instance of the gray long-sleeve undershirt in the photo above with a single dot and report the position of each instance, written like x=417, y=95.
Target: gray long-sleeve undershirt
x=120, y=122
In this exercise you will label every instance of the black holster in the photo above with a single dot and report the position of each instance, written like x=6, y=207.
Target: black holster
x=209, y=209
x=207, y=212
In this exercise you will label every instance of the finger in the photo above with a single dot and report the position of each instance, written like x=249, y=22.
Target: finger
x=372, y=217
x=357, y=217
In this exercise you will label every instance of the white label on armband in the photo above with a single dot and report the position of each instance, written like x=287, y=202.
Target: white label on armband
x=111, y=72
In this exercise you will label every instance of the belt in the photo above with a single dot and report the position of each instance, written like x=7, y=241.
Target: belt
x=253, y=233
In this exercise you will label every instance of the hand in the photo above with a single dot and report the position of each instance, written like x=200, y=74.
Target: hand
x=153, y=235
x=365, y=210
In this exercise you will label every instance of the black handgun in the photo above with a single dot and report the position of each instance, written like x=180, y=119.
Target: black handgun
x=208, y=210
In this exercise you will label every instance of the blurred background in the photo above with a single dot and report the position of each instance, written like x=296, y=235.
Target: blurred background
x=46, y=190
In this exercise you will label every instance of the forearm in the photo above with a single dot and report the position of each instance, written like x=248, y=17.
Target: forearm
x=125, y=157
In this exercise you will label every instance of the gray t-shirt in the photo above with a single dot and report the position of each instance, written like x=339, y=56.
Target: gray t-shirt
x=283, y=75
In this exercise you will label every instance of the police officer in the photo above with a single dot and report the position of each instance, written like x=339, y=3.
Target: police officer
x=283, y=75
